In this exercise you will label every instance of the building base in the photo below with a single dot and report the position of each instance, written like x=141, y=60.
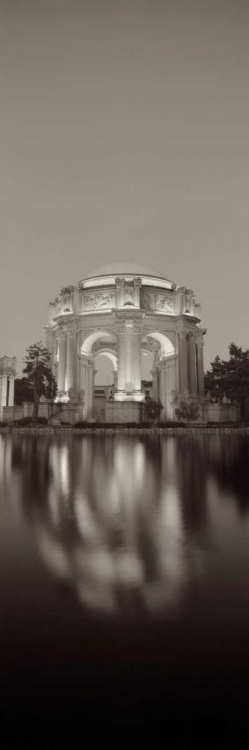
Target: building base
x=122, y=411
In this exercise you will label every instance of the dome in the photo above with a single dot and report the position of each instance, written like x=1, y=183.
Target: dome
x=125, y=268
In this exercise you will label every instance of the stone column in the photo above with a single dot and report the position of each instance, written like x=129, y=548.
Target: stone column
x=168, y=388
x=115, y=378
x=192, y=365
x=4, y=389
x=183, y=362
x=200, y=366
x=129, y=361
x=155, y=383
x=89, y=389
x=71, y=374
x=136, y=362
x=162, y=387
x=11, y=390
x=62, y=364
x=121, y=372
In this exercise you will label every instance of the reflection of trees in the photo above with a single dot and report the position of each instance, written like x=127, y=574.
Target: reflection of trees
x=226, y=458
x=192, y=477
x=106, y=516
x=228, y=461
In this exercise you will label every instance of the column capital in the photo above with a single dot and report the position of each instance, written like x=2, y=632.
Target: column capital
x=181, y=330
x=200, y=342
x=61, y=333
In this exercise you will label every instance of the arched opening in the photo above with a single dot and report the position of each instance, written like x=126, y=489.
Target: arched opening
x=167, y=349
x=147, y=359
x=88, y=343
x=105, y=367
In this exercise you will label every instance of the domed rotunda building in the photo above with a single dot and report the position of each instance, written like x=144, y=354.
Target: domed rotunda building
x=123, y=311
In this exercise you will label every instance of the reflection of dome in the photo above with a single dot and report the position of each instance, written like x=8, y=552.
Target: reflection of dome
x=125, y=268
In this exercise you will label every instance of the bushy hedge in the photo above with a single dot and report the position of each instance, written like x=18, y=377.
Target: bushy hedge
x=28, y=422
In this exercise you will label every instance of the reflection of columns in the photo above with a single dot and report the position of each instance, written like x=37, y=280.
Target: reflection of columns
x=71, y=375
x=192, y=365
x=62, y=362
x=183, y=361
x=200, y=366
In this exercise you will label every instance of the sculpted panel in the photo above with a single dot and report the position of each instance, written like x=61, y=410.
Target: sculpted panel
x=155, y=301
x=98, y=300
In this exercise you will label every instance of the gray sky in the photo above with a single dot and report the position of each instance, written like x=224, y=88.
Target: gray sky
x=124, y=135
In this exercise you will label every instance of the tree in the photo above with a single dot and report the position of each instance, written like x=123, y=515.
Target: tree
x=230, y=378
x=187, y=410
x=39, y=377
x=152, y=409
x=23, y=391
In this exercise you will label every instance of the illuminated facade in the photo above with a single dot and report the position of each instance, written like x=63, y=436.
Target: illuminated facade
x=122, y=311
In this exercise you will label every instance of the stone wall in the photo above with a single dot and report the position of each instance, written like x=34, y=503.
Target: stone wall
x=220, y=412
x=122, y=411
x=62, y=412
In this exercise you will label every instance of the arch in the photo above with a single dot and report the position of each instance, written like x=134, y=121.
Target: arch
x=87, y=344
x=167, y=348
x=107, y=353
x=147, y=360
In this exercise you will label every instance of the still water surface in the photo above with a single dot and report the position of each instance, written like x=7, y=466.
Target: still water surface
x=124, y=576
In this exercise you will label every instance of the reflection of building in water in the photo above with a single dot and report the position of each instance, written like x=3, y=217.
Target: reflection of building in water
x=108, y=518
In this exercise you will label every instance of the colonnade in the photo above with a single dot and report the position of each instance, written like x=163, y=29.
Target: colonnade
x=180, y=373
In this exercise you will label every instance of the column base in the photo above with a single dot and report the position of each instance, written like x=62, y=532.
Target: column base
x=132, y=396
x=61, y=396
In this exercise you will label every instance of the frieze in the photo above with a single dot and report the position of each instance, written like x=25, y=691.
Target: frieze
x=98, y=301
x=157, y=302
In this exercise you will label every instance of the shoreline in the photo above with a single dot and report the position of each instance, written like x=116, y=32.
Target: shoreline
x=49, y=430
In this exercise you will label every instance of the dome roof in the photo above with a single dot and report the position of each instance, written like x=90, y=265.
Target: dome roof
x=125, y=268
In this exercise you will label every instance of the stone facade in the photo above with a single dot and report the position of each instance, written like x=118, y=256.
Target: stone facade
x=122, y=314
x=7, y=379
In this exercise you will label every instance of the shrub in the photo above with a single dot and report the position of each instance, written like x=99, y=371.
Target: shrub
x=28, y=422
x=187, y=410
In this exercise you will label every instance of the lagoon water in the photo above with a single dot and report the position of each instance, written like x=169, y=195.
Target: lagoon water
x=124, y=577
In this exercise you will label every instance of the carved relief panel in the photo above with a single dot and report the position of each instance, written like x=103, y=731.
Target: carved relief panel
x=158, y=302
x=104, y=300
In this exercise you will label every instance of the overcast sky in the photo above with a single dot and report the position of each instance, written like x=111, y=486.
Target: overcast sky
x=124, y=135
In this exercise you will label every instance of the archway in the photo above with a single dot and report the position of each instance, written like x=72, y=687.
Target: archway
x=89, y=341
x=164, y=371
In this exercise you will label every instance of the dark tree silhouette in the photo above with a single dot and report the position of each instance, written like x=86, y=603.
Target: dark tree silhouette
x=39, y=376
x=230, y=378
